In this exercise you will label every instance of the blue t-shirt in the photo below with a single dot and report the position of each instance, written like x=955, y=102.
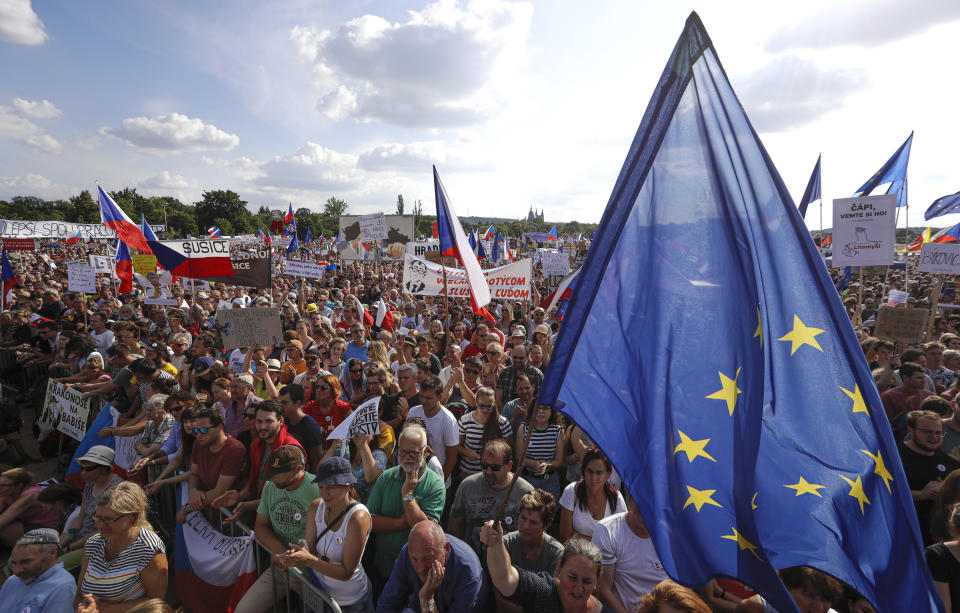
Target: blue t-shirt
x=51, y=592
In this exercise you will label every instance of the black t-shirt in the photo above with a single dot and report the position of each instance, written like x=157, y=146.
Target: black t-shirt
x=946, y=569
x=920, y=470
x=307, y=431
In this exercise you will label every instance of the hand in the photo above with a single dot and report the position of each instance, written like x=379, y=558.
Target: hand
x=151, y=488
x=541, y=469
x=434, y=579
x=139, y=465
x=491, y=534
x=520, y=412
x=106, y=432
x=88, y=604
x=456, y=374
x=932, y=489
x=197, y=501
x=295, y=555
x=471, y=455
x=237, y=513
x=403, y=407
x=362, y=440
x=410, y=481
x=203, y=397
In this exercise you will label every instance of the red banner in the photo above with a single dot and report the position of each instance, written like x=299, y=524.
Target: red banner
x=19, y=244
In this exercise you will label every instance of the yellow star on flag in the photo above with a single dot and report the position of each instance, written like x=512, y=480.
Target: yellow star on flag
x=753, y=501
x=801, y=335
x=856, y=491
x=698, y=498
x=692, y=448
x=802, y=487
x=879, y=468
x=728, y=391
x=859, y=406
x=759, y=330
x=741, y=542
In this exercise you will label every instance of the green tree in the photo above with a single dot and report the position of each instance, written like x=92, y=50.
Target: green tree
x=225, y=226
x=84, y=209
x=400, y=205
x=226, y=205
x=329, y=220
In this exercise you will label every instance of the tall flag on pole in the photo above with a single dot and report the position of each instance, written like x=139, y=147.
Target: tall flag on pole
x=473, y=242
x=496, y=252
x=812, y=193
x=114, y=218
x=552, y=235
x=294, y=245
x=124, y=268
x=893, y=172
x=947, y=235
x=490, y=233
x=942, y=206
x=917, y=243
x=453, y=243
x=145, y=228
x=289, y=216
x=713, y=421
x=306, y=239
x=481, y=252
x=7, y=277
x=266, y=237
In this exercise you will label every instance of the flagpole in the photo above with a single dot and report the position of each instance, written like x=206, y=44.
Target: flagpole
x=933, y=308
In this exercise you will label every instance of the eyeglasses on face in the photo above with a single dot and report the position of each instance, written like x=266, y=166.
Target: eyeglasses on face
x=249, y=415
x=471, y=371
x=409, y=453
x=493, y=467
x=107, y=520
x=356, y=370
x=202, y=430
x=312, y=358
x=87, y=469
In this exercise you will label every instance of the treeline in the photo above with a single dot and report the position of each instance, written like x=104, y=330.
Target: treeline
x=225, y=209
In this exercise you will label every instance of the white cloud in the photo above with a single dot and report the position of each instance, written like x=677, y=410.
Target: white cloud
x=44, y=142
x=37, y=110
x=15, y=126
x=312, y=167
x=89, y=143
x=445, y=66
x=790, y=92
x=171, y=134
x=34, y=185
x=417, y=157
x=19, y=24
x=165, y=180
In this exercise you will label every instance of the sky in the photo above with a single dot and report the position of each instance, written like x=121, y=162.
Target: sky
x=518, y=104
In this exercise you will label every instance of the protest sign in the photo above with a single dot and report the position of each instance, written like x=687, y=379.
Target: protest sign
x=555, y=263
x=949, y=295
x=303, y=269
x=506, y=282
x=194, y=285
x=15, y=228
x=250, y=269
x=373, y=227
x=863, y=232
x=900, y=324
x=365, y=420
x=897, y=297
x=875, y=270
x=171, y=302
x=19, y=244
x=66, y=407
x=943, y=258
x=419, y=248
x=144, y=263
x=101, y=263
x=353, y=245
x=248, y=327
x=81, y=277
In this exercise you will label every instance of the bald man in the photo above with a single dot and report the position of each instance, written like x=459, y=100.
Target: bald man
x=435, y=571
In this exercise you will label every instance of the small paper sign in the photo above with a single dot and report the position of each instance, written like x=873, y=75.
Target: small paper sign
x=373, y=227
x=365, y=419
x=81, y=278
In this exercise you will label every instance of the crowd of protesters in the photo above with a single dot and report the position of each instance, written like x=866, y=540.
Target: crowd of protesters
x=428, y=514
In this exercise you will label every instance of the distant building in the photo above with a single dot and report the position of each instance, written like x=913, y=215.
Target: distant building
x=531, y=216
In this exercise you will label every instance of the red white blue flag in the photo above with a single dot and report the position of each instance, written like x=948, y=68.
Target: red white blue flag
x=114, y=218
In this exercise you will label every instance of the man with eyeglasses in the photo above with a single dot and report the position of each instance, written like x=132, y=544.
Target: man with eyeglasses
x=925, y=464
x=295, y=363
x=358, y=345
x=479, y=496
x=216, y=462
x=402, y=497
x=314, y=358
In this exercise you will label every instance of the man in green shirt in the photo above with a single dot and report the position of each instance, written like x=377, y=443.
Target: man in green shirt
x=402, y=497
x=282, y=520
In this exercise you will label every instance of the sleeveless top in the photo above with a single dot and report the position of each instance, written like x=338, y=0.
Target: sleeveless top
x=354, y=589
x=119, y=579
x=543, y=443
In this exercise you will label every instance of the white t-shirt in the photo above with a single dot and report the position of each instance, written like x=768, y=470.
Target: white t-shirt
x=583, y=522
x=103, y=340
x=638, y=567
x=442, y=432
x=236, y=361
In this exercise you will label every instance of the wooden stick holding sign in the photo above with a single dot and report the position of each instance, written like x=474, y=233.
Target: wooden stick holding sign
x=933, y=308
x=859, y=318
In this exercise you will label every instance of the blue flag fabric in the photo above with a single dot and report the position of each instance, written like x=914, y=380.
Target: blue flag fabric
x=893, y=172
x=708, y=355
x=496, y=252
x=306, y=239
x=145, y=228
x=812, y=193
x=943, y=205
x=294, y=245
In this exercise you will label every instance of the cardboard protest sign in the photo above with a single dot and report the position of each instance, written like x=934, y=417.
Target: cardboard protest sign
x=373, y=227
x=863, y=230
x=303, y=269
x=144, y=263
x=949, y=295
x=943, y=258
x=82, y=278
x=900, y=324
x=250, y=269
x=506, y=282
x=365, y=420
x=353, y=245
x=248, y=327
x=67, y=408
x=555, y=263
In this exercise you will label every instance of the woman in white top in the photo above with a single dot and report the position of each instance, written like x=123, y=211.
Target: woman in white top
x=335, y=539
x=587, y=501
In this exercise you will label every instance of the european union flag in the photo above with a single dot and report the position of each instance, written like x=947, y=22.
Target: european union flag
x=812, y=193
x=942, y=206
x=893, y=172
x=294, y=245
x=719, y=370
x=496, y=253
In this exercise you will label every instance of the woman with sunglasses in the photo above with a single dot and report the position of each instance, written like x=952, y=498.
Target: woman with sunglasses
x=352, y=380
x=327, y=407
x=177, y=467
x=493, y=357
x=96, y=470
x=125, y=563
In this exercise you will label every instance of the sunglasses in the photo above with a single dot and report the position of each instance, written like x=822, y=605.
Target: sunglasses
x=493, y=467
x=356, y=370
x=471, y=371
x=249, y=415
x=87, y=469
x=202, y=430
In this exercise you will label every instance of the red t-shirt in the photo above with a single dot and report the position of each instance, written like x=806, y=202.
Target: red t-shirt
x=257, y=450
x=328, y=421
x=230, y=461
x=897, y=402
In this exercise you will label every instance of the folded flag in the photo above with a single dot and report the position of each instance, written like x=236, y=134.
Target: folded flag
x=266, y=237
x=812, y=193
x=827, y=240
x=294, y=245
x=893, y=172
x=75, y=239
x=563, y=292
x=384, y=318
x=552, y=235
x=306, y=239
x=195, y=259
x=112, y=216
x=942, y=206
x=490, y=233
x=213, y=232
x=364, y=315
x=947, y=235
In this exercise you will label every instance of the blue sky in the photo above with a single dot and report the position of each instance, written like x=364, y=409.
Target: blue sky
x=517, y=103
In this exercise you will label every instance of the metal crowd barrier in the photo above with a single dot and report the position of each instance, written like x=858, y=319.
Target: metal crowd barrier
x=301, y=594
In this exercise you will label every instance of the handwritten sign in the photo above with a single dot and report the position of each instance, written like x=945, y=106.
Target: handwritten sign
x=248, y=327
x=555, y=263
x=294, y=268
x=365, y=420
x=144, y=263
x=66, y=407
x=81, y=277
x=101, y=263
x=174, y=302
x=900, y=324
x=897, y=297
x=373, y=227
x=863, y=232
x=943, y=258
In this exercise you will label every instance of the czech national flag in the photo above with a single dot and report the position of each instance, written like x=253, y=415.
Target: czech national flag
x=124, y=268
x=289, y=216
x=195, y=259
x=563, y=292
x=553, y=236
x=827, y=240
x=947, y=235
x=75, y=239
x=454, y=243
x=145, y=228
x=213, y=232
x=266, y=237
x=473, y=242
x=491, y=232
x=114, y=218
x=7, y=277
x=365, y=317
x=384, y=318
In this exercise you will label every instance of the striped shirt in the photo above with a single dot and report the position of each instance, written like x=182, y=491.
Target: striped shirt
x=543, y=443
x=119, y=579
x=473, y=435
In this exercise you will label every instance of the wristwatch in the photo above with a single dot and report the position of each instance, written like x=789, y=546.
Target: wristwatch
x=409, y=497
x=429, y=608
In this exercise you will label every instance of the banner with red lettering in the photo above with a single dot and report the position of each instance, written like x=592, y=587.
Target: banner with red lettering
x=510, y=282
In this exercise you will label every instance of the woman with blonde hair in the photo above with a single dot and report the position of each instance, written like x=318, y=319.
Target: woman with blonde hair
x=671, y=597
x=377, y=352
x=125, y=563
